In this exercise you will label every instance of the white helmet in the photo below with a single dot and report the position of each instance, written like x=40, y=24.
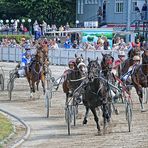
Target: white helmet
x=136, y=58
x=121, y=53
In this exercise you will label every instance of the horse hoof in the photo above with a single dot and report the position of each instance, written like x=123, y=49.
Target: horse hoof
x=116, y=112
x=108, y=120
x=99, y=133
x=84, y=122
x=143, y=110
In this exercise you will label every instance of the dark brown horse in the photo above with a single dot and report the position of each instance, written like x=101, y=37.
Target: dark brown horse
x=36, y=73
x=107, y=65
x=140, y=77
x=129, y=61
x=95, y=94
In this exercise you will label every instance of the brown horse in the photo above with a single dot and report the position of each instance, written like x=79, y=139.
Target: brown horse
x=129, y=61
x=36, y=73
x=140, y=77
x=73, y=77
x=43, y=47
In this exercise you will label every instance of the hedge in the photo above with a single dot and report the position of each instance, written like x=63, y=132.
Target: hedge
x=16, y=37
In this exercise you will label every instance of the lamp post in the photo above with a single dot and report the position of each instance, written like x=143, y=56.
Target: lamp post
x=12, y=21
x=1, y=23
x=128, y=25
x=23, y=21
x=17, y=21
x=29, y=21
x=77, y=22
x=7, y=21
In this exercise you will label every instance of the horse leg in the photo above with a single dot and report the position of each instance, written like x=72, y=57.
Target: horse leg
x=96, y=120
x=33, y=87
x=37, y=85
x=67, y=96
x=106, y=116
x=140, y=94
x=30, y=85
x=86, y=115
x=43, y=84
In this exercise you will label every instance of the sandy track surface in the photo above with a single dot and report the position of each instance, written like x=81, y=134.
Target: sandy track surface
x=52, y=132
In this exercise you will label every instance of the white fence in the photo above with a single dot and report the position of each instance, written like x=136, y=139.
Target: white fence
x=10, y=54
x=62, y=56
x=56, y=57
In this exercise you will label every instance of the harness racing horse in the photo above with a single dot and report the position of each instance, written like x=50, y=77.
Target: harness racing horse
x=43, y=47
x=35, y=73
x=129, y=61
x=140, y=77
x=106, y=65
x=95, y=94
x=73, y=77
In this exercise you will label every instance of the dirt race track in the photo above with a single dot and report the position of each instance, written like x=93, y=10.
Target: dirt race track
x=52, y=132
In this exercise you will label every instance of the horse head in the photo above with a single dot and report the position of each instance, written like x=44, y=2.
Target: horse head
x=39, y=56
x=79, y=59
x=134, y=51
x=94, y=69
x=82, y=68
x=107, y=62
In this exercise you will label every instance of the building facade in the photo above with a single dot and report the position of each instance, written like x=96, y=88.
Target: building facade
x=110, y=11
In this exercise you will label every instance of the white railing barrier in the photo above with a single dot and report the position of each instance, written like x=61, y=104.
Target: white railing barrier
x=56, y=56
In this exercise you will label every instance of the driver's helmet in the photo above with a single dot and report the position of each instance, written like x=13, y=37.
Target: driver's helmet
x=28, y=54
x=71, y=62
x=121, y=53
x=27, y=45
x=136, y=58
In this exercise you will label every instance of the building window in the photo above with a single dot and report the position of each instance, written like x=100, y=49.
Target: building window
x=80, y=6
x=91, y=1
x=118, y=6
x=134, y=5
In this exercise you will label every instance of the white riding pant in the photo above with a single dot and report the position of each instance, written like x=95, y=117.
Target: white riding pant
x=21, y=72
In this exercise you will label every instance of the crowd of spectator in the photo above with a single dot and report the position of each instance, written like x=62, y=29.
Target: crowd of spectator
x=74, y=41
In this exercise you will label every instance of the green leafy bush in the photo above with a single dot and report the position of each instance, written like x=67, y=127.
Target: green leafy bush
x=16, y=37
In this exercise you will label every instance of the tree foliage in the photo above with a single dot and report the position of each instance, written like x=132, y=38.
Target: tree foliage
x=52, y=11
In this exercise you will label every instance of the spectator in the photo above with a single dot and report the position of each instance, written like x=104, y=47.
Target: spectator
x=44, y=27
x=144, y=11
x=67, y=43
x=75, y=44
x=136, y=43
x=54, y=27
x=129, y=46
x=36, y=29
x=22, y=28
x=67, y=26
x=15, y=25
x=49, y=28
x=54, y=45
x=106, y=44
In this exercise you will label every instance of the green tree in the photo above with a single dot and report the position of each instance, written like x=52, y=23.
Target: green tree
x=52, y=11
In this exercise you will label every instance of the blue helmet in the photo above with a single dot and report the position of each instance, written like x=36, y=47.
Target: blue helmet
x=28, y=52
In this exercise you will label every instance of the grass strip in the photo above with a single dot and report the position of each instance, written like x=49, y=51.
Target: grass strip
x=6, y=127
